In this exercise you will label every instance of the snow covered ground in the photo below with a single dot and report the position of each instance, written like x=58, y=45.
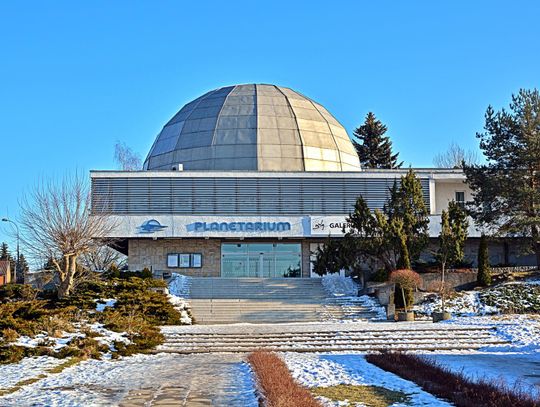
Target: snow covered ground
x=179, y=287
x=343, y=293
x=323, y=370
x=27, y=368
x=519, y=371
x=337, y=286
x=224, y=379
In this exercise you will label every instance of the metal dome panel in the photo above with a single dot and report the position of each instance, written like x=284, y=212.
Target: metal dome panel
x=256, y=128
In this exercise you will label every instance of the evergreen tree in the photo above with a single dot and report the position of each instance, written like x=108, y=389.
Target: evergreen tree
x=4, y=251
x=484, y=271
x=407, y=204
x=374, y=148
x=452, y=239
x=23, y=266
x=396, y=235
x=506, y=189
x=6, y=255
x=404, y=261
x=329, y=258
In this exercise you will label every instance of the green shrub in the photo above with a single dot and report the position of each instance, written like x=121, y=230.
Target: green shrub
x=147, y=339
x=484, y=271
x=17, y=292
x=13, y=354
x=380, y=276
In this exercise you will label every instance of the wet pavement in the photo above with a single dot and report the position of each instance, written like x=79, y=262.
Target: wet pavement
x=145, y=380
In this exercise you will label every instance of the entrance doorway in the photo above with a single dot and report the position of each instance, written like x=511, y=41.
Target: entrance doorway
x=261, y=260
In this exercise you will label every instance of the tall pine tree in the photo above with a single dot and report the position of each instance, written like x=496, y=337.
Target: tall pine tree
x=374, y=148
x=506, y=189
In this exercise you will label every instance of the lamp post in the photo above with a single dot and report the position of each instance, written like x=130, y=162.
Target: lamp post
x=17, y=259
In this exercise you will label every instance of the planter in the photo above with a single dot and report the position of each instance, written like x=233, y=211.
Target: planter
x=441, y=316
x=406, y=316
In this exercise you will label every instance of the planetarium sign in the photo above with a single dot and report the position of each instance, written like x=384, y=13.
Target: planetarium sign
x=239, y=227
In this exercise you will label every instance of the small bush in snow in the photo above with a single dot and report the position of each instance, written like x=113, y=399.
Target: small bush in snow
x=406, y=281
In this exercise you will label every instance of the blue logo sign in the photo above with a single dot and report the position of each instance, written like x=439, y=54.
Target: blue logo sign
x=151, y=226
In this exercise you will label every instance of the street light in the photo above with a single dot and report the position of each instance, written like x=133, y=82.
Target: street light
x=17, y=259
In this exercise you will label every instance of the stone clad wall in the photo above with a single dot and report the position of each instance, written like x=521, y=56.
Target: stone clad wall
x=459, y=281
x=153, y=253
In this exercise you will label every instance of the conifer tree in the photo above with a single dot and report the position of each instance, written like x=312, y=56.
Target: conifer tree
x=4, y=251
x=374, y=148
x=406, y=203
x=23, y=266
x=506, y=189
x=484, y=271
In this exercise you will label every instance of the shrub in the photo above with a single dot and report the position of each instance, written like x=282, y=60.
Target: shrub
x=146, y=273
x=9, y=335
x=484, y=271
x=380, y=276
x=147, y=338
x=17, y=292
x=84, y=348
x=13, y=354
x=456, y=387
x=276, y=382
x=405, y=280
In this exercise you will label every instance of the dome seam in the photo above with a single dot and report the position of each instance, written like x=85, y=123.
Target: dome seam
x=297, y=126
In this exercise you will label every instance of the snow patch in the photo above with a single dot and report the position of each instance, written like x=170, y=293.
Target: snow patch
x=338, y=286
x=108, y=337
x=27, y=368
x=179, y=287
x=314, y=370
x=521, y=331
x=43, y=339
x=466, y=303
x=103, y=303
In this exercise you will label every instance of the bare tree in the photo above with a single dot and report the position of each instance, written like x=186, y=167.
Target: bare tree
x=125, y=158
x=57, y=224
x=455, y=156
x=102, y=258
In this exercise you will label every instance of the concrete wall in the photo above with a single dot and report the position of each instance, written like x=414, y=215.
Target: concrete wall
x=512, y=252
x=445, y=191
x=153, y=253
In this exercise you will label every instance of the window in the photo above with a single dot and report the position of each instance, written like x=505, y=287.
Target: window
x=460, y=198
x=172, y=260
x=196, y=260
x=184, y=260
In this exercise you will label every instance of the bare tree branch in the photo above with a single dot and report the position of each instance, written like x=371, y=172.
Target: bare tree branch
x=125, y=158
x=455, y=156
x=57, y=224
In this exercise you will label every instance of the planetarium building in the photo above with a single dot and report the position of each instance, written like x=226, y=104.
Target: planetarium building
x=247, y=181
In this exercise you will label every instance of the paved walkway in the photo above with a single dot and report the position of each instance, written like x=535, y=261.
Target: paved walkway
x=194, y=381
x=145, y=380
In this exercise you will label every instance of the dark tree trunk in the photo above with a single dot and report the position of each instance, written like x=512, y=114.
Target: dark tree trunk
x=536, y=245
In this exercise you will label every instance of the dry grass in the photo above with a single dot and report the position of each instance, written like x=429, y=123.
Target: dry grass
x=370, y=396
x=277, y=384
x=441, y=382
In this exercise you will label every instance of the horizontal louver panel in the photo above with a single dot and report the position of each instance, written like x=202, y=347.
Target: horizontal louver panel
x=239, y=196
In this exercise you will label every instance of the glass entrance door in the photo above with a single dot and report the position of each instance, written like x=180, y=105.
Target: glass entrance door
x=262, y=260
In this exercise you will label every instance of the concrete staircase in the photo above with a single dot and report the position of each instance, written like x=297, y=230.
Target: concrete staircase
x=254, y=300
x=347, y=309
x=361, y=337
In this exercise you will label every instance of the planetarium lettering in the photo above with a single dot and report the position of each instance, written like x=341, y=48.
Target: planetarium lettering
x=240, y=227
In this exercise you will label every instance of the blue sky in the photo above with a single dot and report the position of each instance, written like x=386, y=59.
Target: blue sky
x=75, y=77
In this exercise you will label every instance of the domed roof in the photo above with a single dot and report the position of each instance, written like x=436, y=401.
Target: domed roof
x=253, y=127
